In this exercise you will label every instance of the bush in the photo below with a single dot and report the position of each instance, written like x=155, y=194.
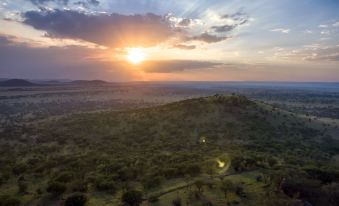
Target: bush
x=132, y=197
x=64, y=177
x=6, y=200
x=239, y=190
x=105, y=185
x=56, y=188
x=22, y=186
x=19, y=169
x=152, y=182
x=79, y=186
x=76, y=199
x=153, y=199
x=176, y=202
x=227, y=186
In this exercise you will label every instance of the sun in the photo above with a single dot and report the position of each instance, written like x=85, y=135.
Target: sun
x=135, y=55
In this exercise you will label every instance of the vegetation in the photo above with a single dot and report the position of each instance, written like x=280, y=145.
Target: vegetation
x=218, y=150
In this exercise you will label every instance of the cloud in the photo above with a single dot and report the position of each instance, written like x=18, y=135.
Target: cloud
x=233, y=21
x=115, y=30
x=282, y=30
x=313, y=52
x=224, y=28
x=120, y=31
x=73, y=62
x=323, y=26
x=236, y=16
x=325, y=32
x=88, y=3
x=336, y=24
x=76, y=62
x=208, y=38
x=41, y=2
x=322, y=54
x=185, y=22
x=168, y=66
x=184, y=46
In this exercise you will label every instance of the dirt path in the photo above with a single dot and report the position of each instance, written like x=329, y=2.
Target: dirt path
x=157, y=195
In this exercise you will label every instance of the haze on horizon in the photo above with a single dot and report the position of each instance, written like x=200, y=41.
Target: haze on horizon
x=146, y=40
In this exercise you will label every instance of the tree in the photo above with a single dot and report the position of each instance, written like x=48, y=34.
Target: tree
x=76, y=199
x=199, y=185
x=56, y=188
x=132, y=198
x=227, y=186
x=64, y=177
x=106, y=185
x=22, y=185
x=176, y=202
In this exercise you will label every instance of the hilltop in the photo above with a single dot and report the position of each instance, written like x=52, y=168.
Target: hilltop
x=174, y=146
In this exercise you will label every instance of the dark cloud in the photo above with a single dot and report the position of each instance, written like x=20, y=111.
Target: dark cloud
x=238, y=18
x=113, y=30
x=208, y=38
x=168, y=66
x=87, y=3
x=185, y=22
x=224, y=28
x=184, y=46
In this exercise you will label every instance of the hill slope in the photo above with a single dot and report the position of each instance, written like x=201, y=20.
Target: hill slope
x=147, y=149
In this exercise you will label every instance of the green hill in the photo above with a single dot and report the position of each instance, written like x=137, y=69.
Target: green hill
x=215, y=150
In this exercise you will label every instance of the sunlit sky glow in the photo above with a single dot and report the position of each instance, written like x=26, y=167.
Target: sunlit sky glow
x=214, y=40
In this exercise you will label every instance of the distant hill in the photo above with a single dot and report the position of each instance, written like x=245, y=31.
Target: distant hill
x=89, y=82
x=17, y=83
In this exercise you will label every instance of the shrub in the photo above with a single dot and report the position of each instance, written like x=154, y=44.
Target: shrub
x=6, y=200
x=199, y=185
x=227, y=186
x=56, y=188
x=105, y=185
x=152, y=182
x=19, y=169
x=2, y=179
x=153, y=199
x=22, y=186
x=176, y=202
x=64, y=177
x=76, y=199
x=132, y=197
x=79, y=186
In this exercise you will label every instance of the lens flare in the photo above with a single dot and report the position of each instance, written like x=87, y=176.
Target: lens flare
x=221, y=164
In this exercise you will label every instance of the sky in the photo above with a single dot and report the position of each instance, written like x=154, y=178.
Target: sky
x=172, y=40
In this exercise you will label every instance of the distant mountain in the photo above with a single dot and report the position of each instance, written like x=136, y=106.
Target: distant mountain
x=17, y=83
x=89, y=82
